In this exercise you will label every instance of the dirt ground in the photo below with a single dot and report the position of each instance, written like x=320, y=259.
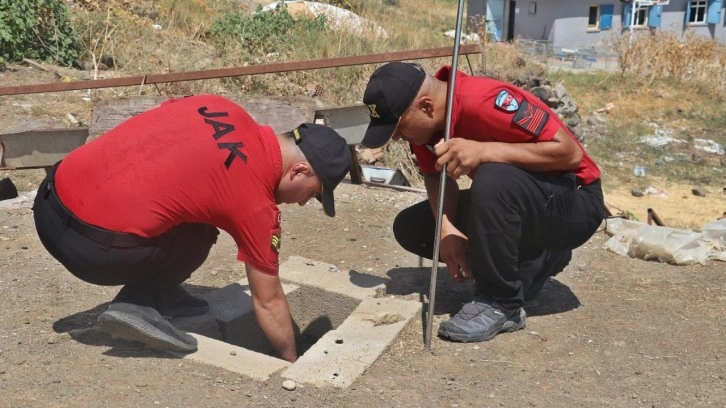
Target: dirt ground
x=609, y=331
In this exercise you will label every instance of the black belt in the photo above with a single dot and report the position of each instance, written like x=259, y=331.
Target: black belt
x=102, y=236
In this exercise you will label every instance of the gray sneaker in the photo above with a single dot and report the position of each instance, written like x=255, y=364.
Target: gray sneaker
x=480, y=321
x=144, y=324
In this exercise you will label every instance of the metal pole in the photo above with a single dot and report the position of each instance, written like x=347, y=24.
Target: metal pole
x=633, y=9
x=442, y=183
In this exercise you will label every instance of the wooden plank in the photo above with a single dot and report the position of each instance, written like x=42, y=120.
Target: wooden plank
x=38, y=148
x=281, y=113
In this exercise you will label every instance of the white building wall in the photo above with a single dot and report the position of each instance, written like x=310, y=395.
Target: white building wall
x=564, y=23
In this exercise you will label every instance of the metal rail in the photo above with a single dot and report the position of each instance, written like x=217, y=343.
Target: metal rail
x=237, y=71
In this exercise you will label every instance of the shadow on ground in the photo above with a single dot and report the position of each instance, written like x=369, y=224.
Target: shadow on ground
x=83, y=328
x=555, y=297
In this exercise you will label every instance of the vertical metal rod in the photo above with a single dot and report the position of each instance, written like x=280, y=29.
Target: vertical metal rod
x=442, y=184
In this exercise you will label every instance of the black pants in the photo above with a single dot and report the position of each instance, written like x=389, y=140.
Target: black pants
x=104, y=257
x=514, y=220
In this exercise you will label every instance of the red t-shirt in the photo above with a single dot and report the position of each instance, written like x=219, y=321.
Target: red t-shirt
x=200, y=159
x=489, y=110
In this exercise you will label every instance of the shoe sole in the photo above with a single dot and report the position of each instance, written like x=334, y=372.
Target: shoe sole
x=127, y=327
x=508, y=327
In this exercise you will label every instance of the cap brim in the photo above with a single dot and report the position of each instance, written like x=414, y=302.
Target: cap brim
x=378, y=135
x=328, y=202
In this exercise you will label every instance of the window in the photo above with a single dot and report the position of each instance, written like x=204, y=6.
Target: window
x=640, y=19
x=641, y=16
x=697, y=11
x=593, y=19
x=600, y=17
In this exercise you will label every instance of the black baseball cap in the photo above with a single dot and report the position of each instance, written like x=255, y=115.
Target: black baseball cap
x=328, y=154
x=391, y=90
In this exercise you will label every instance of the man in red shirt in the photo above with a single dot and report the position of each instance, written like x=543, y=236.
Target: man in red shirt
x=535, y=193
x=140, y=207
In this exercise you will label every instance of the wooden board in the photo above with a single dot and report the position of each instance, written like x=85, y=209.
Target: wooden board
x=282, y=114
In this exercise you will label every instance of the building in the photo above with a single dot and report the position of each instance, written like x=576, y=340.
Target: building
x=578, y=24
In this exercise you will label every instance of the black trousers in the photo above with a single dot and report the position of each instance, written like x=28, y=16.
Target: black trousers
x=515, y=221
x=104, y=257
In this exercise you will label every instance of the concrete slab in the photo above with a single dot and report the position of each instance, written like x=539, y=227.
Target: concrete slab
x=235, y=358
x=339, y=309
x=351, y=283
x=342, y=355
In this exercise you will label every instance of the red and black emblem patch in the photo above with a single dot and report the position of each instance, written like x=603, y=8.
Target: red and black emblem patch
x=531, y=118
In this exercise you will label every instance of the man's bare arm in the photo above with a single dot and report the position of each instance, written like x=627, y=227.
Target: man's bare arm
x=461, y=155
x=272, y=312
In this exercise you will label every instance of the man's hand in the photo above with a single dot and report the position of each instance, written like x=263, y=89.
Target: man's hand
x=453, y=251
x=459, y=155
x=272, y=312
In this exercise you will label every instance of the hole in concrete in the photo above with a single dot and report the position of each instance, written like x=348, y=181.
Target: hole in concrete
x=314, y=312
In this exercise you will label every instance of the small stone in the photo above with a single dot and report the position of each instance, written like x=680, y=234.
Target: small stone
x=289, y=385
x=636, y=192
x=698, y=192
x=232, y=353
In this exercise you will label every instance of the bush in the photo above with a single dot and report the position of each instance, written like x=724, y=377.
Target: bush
x=36, y=29
x=270, y=31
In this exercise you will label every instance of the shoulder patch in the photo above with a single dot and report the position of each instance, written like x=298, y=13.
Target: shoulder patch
x=275, y=243
x=506, y=101
x=531, y=118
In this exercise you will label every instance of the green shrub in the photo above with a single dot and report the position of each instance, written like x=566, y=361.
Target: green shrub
x=270, y=31
x=36, y=29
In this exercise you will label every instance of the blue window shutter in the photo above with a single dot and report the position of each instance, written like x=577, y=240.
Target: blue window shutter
x=688, y=12
x=627, y=12
x=714, y=11
x=654, y=16
x=606, y=16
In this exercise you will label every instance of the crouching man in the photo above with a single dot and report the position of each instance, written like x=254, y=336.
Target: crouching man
x=141, y=205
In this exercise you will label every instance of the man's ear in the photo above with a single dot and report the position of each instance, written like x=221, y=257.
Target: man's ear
x=301, y=167
x=426, y=104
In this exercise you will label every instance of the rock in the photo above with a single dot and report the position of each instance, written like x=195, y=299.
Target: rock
x=289, y=385
x=7, y=189
x=636, y=192
x=698, y=192
x=542, y=93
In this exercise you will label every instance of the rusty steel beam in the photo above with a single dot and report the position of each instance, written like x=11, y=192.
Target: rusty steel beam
x=238, y=71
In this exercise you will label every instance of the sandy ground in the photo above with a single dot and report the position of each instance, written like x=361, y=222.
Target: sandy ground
x=609, y=331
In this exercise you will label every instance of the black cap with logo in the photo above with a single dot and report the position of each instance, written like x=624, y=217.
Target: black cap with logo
x=328, y=154
x=391, y=90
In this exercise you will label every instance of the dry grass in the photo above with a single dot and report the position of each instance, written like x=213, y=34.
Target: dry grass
x=665, y=54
